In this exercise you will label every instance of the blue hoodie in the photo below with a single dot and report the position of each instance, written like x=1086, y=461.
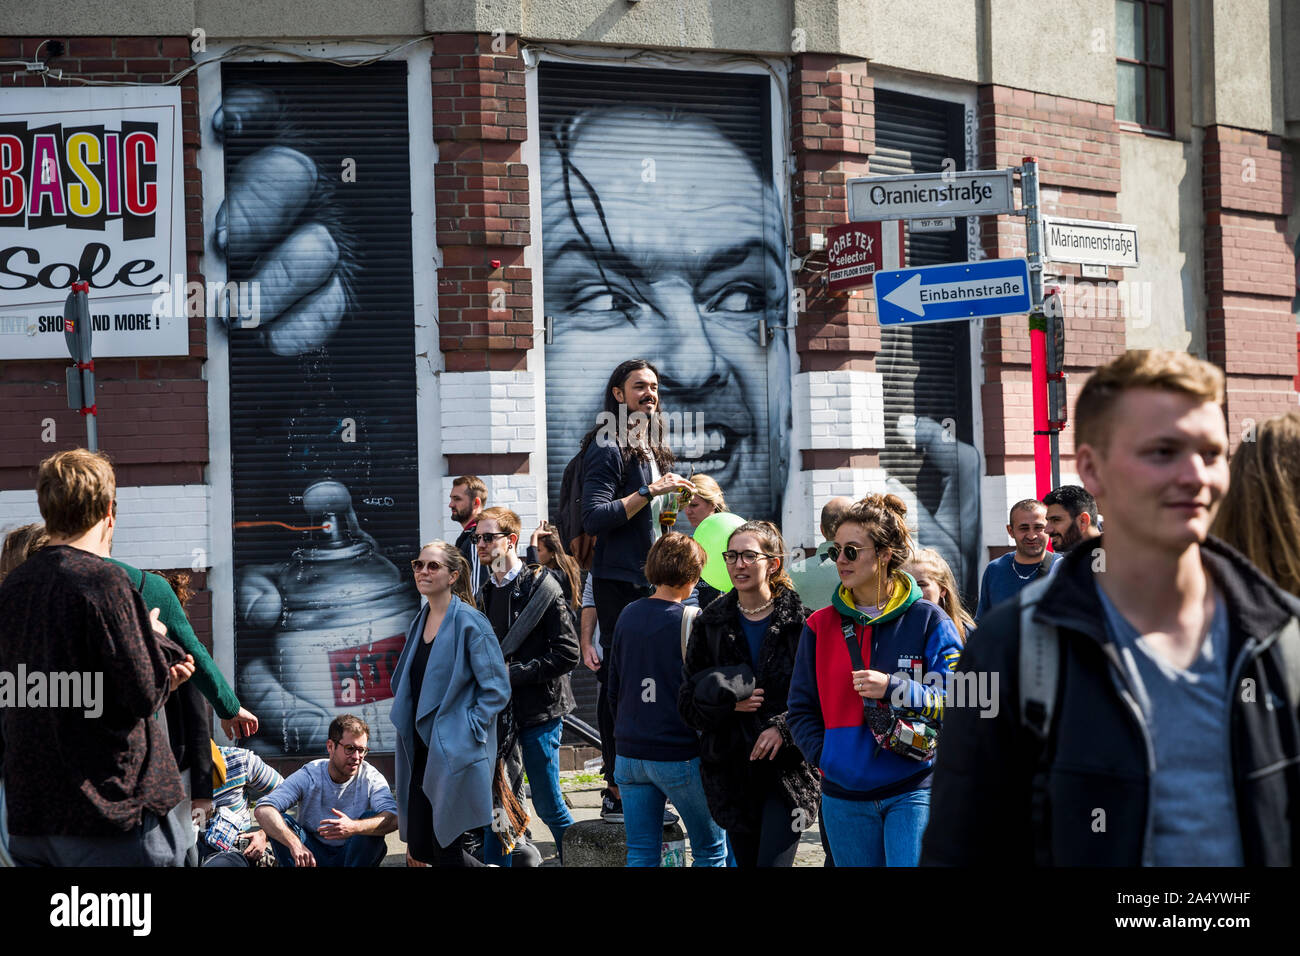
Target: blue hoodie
x=825, y=717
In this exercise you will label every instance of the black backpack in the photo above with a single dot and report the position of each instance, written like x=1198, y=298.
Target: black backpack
x=567, y=514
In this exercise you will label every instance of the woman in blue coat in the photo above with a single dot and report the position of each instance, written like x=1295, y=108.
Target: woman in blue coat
x=449, y=685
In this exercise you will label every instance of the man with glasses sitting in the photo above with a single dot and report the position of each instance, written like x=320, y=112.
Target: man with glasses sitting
x=345, y=804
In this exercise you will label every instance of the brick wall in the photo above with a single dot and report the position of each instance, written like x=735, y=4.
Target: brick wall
x=832, y=113
x=1076, y=144
x=153, y=414
x=479, y=125
x=1249, y=272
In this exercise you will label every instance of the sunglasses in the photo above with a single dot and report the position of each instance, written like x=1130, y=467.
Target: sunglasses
x=418, y=566
x=352, y=750
x=850, y=551
x=488, y=536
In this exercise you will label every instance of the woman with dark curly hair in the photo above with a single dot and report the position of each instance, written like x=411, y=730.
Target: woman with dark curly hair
x=739, y=662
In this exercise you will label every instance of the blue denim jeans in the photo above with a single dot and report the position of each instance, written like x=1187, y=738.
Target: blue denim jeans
x=357, y=851
x=645, y=786
x=540, y=747
x=876, y=832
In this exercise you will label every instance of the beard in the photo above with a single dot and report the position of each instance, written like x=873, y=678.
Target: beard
x=460, y=516
x=1069, y=538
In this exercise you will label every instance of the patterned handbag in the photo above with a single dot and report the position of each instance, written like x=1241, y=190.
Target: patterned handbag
x=897, y=730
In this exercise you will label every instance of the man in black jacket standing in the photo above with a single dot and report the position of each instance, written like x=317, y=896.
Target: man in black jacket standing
x=468, y=497
x=528, y=613
x=1147, y=710
x=625, y=472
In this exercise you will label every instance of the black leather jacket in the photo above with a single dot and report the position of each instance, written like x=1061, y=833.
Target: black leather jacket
x=982, y=805
x=539, y=670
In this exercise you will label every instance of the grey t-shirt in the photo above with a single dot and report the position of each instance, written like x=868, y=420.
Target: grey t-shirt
x=1187, y=712
x=317, y=795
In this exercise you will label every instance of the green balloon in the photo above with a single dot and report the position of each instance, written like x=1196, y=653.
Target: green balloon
x=712, y=535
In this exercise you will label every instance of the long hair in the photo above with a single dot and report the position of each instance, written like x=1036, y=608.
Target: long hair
x=773, y=544
x=1260, y=514
x=663, y=455
x=19, y=545
x=565, y=564
x=933, y=563
x=455, y=561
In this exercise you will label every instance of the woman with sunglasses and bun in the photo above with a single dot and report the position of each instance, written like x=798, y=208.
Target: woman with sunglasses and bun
x=739, y=661
x=875, y=802
x=449, y=685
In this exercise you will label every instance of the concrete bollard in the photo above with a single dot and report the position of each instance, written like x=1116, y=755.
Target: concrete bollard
x=597, y=843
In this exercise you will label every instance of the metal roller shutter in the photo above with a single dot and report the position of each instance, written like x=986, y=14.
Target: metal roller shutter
x=663, y=239
x=323, y=420
x=926, y=369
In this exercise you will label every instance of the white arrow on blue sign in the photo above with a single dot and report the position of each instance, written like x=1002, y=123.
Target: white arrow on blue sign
x=954, y=292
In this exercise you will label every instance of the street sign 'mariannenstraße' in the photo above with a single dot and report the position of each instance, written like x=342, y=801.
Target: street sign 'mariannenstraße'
x=1090, y=242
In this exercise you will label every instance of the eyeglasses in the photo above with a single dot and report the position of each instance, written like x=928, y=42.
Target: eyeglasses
x=350, y=749
x=850, y=551
x=744, y=557
x=488, y=536
x=418, y=566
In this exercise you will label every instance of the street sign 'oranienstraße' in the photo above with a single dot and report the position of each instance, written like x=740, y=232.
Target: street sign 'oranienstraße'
x=988, y=192
x=1089, y=242
x=954, y=292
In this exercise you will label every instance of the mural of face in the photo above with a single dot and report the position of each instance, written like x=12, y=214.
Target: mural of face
x=646, y=258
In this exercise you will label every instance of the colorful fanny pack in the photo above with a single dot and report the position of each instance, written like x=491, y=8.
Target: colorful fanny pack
x=897, y=730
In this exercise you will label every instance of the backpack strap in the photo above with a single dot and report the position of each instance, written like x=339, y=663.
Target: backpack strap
x=545, y=593
x=1040, y=663
x=1040, y=659
x=851, y=639
x=689, y=614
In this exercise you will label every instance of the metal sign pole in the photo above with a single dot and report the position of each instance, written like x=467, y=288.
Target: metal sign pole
x=81, y=377
x=1046, y=462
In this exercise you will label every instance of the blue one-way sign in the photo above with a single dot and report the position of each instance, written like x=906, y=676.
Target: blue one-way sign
x=950, y=293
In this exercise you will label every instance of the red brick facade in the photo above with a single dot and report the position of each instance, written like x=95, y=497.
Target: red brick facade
x=1249, y=272
x=832, y=110
x=833, y=133
x=479, y=124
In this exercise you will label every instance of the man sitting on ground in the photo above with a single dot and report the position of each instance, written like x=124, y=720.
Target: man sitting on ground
x=345, y=804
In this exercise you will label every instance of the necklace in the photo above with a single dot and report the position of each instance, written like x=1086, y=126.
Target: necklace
x=1023, y=577
x=755, y=610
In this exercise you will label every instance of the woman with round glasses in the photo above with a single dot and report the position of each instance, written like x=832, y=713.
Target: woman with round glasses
x=738, y=664
x=449, y=685
x=875, y=802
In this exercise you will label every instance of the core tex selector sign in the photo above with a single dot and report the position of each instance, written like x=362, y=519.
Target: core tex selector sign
x=91, y=189
x=856, y=251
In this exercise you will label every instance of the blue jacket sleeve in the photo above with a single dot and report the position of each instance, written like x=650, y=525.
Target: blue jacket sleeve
x=942, y=651
x=602, y=507
x=804, y=715
x=491, y=675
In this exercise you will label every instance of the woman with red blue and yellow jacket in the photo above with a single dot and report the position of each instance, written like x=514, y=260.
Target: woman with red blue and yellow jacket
x=875, y=803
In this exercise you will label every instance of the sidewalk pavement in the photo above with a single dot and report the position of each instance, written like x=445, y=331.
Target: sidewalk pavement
x=583, y=798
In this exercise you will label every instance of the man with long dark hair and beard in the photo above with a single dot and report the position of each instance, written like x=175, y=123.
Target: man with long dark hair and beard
x=626, y=463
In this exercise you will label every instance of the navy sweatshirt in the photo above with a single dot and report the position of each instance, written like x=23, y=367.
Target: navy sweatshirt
x=645, y=674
